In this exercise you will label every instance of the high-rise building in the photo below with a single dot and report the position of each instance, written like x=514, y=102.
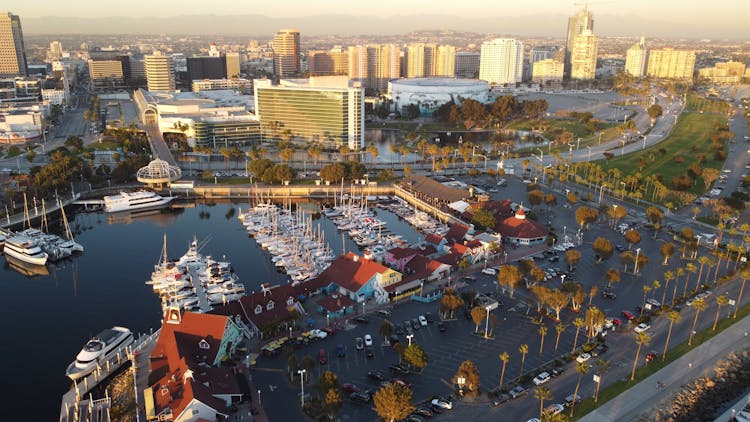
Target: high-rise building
x=327, y=109
x=159, y=72
x=548, y=71
x=232, y=64
x=501, y=61
x=109, y=71
x=199, y=68
x=581, y=21
x=583, y=56
x=445, y=64
x=55, y=50
x=286, y=53
x=332, y=62
x=636, y=59
x=467, y=64
x=374, y=65
x=668, y=63
x=12, y=50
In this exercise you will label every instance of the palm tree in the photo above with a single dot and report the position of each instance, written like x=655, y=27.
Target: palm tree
x=602, y=366
x=578, y=322
x=504, y=357
x=560, y=328
x=386, y=329
x=703, y=259
x=542, y=393
x=646, y=289
x=542, y=332
x=691, y=269
x=744, y=275
x=668, y=276
x=582, y=368
x=640, y=339
x=680, y=273
x=699, y=304
x=721, y=300
x=523, y=349
x=672, y=316
x=655, y=285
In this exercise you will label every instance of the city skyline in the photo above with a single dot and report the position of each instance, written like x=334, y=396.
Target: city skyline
x=536, y=17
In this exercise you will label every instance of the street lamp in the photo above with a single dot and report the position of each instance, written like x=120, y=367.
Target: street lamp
x=589, y=156
x=409, y=337
x=601, y=192
x=644, y=142
x=637, y=254
x=622, y=152
x=301, y=373
x=461, y=381
x=487, y=323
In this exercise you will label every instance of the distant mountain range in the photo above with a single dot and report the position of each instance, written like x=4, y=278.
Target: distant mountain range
x=259, y=25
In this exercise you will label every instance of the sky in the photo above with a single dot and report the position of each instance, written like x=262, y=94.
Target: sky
x=681, y=18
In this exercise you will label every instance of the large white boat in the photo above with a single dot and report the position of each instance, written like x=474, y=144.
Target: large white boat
x=129, y=201
x=98, y=350
x=25, y=249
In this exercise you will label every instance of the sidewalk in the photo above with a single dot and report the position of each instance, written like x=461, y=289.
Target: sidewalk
x=644, y=396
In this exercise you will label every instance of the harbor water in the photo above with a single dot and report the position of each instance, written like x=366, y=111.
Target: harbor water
x=48, y=317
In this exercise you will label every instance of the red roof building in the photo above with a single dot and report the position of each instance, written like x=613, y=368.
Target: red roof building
x=520, y=230
x=358, y=278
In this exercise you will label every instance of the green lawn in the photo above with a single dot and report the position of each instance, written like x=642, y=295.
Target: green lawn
x=699, y=104
x=104, y=146
x=689, y=137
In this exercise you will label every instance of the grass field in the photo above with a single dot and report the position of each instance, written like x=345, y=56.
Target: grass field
x=689, y=137
x=699, y=104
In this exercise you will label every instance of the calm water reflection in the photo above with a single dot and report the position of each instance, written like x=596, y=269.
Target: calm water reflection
x=47, y=317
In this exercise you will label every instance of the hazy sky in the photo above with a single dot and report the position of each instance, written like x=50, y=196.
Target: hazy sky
x=688, y=11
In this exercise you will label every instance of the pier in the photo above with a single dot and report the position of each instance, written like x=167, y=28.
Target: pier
x=76, y=407
x=200, y=291
x=36, y=212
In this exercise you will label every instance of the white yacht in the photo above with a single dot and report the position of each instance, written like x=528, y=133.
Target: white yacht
x=98, y=350
x=128, y=201
x=25, y=249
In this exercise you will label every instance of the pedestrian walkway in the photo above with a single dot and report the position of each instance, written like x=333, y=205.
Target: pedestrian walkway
x=646, y=395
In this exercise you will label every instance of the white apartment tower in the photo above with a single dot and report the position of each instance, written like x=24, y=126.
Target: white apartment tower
x=583, y=56
x=445, y=64
x=159, y=72
x=636, y=59
x=286, y=53
x=374, y=65
x=501, y=61
x=12, y=50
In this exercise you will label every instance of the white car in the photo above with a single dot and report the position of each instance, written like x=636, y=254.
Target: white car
x=554, y=409
x=726, y=171
x=368, y=340
x=542, y=378
x=319, y=333
x=445, y=404
x=583, y=357
x=422, y=321
x=489, y=271
x=641, y=327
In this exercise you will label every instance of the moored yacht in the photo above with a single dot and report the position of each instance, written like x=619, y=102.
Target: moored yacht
x=128, y=201
x=25, y=249
x=98, y=350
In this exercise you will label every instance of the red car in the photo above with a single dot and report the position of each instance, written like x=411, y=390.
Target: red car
x=350, y=388
x=322, y=356
x=628, y=315
x=651, y=356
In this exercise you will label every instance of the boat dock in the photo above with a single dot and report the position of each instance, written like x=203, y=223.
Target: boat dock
x=76, y=407
x=200, y=291
x=36, y=212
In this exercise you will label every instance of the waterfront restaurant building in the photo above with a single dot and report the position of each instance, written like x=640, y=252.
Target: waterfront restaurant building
x=326, y=109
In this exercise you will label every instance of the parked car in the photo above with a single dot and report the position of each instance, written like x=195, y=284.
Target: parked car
x=368, y=340
x=359, y=343
x=641, y=327
x=340, y=351
x=553, y=258
x=369, y=353
x=422, y=320
x=653, y=302
x=518, y=391
x=423, y=411
x=415, y=324
x=609, y=294
x=441, y=327
x=500, y=399
x=362, y=320
x=651, y=356
x=583, y=357
x=428, y=316
x=542, y=378
x=570, y=399
x=469, y=278
x=376, y=375
x=489, y=271
x=629, y=316
x=399, y=368
x=359, y=398
x=445, y=404
x=350, y=388
x=414, y=418
x=599, y=350
x=384, y=313
x=322, y=356
x=554, y=409
x=556, y=372
x=319, y=333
